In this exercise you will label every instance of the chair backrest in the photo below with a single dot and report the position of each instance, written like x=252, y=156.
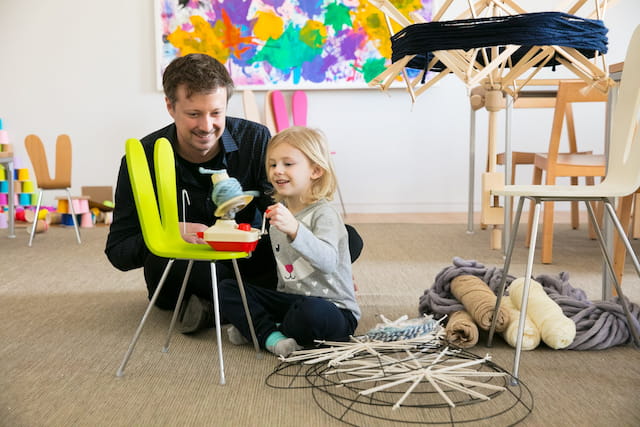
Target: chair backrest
x=569, y=92
x=269, y=119
x=299, y=108
x=280, y=113
x=250, y=106
x=158, y=217
x=623, y=163
x=38, y=157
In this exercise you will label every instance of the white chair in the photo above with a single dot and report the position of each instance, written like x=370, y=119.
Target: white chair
x=622, y=178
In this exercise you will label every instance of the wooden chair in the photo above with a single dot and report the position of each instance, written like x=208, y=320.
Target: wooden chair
x=541, y=94
x=252, y=112
x=250, y=106
x=536, y=98
x=573, y=164
x=62, y=178
x=530, y=99
x=628, y=210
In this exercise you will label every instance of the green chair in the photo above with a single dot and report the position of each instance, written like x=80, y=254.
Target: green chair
x=161, y=232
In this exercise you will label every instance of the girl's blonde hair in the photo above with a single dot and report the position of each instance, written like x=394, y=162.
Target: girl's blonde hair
x=313, y=144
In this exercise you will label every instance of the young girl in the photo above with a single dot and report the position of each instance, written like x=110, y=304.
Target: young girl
x=315, y=297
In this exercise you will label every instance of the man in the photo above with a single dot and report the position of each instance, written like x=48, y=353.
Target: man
x=197, y=89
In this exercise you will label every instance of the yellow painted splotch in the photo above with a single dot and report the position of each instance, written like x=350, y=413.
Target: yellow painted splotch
x=203, y=39
x=372, y=21
x=268, y=25
x=313, y=34
x=221, y=40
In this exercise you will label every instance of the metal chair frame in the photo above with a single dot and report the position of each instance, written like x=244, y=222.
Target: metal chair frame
x=622, y=178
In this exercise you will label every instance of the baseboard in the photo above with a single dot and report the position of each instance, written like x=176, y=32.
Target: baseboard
x=561, y=217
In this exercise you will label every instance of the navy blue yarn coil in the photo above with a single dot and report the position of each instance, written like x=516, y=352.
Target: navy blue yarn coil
x=526, y=30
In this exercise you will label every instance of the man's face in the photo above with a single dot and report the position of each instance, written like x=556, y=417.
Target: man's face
x=200, y=121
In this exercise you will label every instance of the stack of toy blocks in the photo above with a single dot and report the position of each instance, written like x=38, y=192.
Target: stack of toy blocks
x=80, y=208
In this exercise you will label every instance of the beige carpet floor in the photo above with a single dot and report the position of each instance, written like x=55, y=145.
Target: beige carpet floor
x=66, y=317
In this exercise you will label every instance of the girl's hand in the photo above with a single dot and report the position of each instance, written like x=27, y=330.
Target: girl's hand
x=281, y=218
x=189, y=230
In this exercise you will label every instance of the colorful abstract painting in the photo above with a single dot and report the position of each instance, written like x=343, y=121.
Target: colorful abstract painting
x=283, y=44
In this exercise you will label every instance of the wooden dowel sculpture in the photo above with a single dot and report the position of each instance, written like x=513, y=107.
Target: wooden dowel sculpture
x=502, y=60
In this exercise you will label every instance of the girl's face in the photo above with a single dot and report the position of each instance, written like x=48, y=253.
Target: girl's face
x=291, y=172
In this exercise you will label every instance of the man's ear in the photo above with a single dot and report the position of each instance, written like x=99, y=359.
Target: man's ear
x=169, y=106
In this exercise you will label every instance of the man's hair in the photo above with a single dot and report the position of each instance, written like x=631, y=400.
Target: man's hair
x=199, y=73
x=313, y=144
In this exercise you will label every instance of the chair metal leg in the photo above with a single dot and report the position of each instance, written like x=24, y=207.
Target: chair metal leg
x=472, y=160
x=177, y=310
x=132, y=345
x=33, y=228
x=509, y=169
x=525, y=291
x=216, y=313
x=623, y=301
x=254, y=338
x=505, y=269
x=11, y=205
x=73, y=216
x=344, y=210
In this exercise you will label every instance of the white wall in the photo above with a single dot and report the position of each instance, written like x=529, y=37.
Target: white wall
x=86, y=68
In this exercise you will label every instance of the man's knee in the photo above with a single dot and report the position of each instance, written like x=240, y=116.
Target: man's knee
x=227, y=288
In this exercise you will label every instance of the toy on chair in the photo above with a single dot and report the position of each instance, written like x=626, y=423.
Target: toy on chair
x=226, y=234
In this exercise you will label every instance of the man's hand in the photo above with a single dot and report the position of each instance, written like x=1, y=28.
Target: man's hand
x=189, y=232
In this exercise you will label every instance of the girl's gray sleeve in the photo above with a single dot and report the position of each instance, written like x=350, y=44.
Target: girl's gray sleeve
x=319, y=245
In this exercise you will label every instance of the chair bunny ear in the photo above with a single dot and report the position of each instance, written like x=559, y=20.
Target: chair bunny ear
x=250, y=106
x=299, y=108
x=280, y=114
x=269, y=120
x=275, y=99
